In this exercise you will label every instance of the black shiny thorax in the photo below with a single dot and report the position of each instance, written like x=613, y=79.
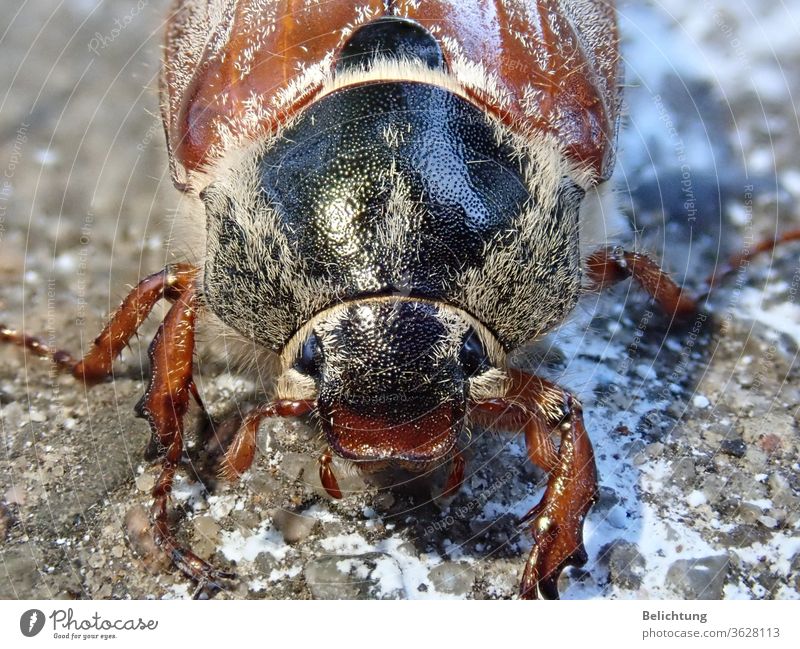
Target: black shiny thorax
x=392, y=187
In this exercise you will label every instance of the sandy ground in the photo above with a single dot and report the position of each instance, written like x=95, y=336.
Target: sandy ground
x=696, y=431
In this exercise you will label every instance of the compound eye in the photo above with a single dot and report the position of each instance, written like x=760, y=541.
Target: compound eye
x=309, y=361
x=473, y=356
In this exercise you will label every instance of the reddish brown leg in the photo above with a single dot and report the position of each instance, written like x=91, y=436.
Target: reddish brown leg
x=610, y=266
x=737, y=261
x=557, y=521
x=456, y=476
x=96, y=365
x=532, y=404
x=164, y=405
x=63, y=359
x=239, y=455
x=503, y=415
x=167, y=398
x=327, y=476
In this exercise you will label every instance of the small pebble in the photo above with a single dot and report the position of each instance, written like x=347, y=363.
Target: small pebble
x=206, y=535
x=768, y=521
x=734, y=447
x=684, y=471
x=5, y=521
x=626, y=565
x=373, y=575
x=206, y=527
x=15, y=496
x=294, y=527
x=145, y=482
x=384, y=501
x=12, y=416
x=749, y=513
x=96, y=560
x=646, y=372
x=700, y=401
x=453, y=578
x=139, y=534
x=699, y=578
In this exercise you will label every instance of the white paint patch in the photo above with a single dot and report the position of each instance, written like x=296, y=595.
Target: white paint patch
x=696, y=498
x=783, y=318
x=236, y=547
x=413, y=568
x=777, y=552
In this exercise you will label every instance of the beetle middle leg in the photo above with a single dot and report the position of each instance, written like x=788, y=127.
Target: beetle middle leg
x=557, y=521
x=166, y=400
x=168, y=283
x=609, y=266
x=739, y=260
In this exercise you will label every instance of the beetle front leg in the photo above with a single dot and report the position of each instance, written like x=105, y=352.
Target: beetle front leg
x=327, y=476
x=164, y=406
x=557, y=521
x=239, y=455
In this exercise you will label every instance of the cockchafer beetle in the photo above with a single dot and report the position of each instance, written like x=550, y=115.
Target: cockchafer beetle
x=390, y=197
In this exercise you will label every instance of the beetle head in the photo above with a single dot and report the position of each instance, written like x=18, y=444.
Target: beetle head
x=393, y=377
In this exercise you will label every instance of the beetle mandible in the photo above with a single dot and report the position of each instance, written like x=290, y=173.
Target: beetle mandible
x=391, y=197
